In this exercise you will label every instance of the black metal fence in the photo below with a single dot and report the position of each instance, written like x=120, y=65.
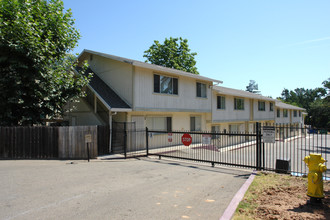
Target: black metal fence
x=128, y=140
x=242, y=149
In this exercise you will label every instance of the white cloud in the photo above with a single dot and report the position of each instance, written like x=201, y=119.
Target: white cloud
x=310, y=41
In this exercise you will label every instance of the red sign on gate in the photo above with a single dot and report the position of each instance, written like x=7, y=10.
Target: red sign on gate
x=170, y=139
x=186, y=139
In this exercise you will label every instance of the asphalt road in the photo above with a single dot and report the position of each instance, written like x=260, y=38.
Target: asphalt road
x=115, y=189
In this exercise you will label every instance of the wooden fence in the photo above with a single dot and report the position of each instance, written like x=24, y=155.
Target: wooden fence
x=47, y=142
x=72, y=143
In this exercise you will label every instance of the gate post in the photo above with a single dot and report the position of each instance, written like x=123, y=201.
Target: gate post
x=125, y=140
x=258, y=146
x=147, y=141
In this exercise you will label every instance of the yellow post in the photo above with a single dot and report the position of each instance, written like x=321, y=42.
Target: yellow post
x=315, y=178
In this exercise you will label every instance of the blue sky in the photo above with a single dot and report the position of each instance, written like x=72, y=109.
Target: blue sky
x=279, y=44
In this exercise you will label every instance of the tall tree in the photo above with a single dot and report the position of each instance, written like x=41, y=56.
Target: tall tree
x=173, y=53
x=302, y=97
x=315, y=101
x=37, y=76
x=252, y=87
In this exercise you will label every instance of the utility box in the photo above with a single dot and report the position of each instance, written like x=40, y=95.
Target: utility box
x=283, y=166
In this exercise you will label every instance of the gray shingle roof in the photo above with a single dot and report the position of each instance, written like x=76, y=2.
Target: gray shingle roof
x=240, y=93
x=280, y=104
x=149, y=66
x=106, y=93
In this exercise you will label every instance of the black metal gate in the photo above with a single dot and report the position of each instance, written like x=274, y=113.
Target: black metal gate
x=103, y=139
x=234, y=149
x=128, y=140
x=292, y=144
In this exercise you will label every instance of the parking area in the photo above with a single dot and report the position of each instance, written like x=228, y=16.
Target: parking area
x=145, y=188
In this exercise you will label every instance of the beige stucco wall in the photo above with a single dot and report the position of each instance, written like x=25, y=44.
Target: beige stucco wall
x=296, y=119
x=180, y=120
x=81, y=114
x=290, y=119
x=263, y=115
x=186, y=101
x=229, y=114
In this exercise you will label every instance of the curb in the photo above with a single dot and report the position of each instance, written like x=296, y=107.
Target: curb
x=230, y=210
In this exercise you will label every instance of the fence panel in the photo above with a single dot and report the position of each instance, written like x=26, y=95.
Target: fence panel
x=292, y=144
x=43, y=142
x=72, y=142
x=28, y=142
x=235, y=149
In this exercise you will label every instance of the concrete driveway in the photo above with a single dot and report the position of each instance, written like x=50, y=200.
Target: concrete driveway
x=115, y=189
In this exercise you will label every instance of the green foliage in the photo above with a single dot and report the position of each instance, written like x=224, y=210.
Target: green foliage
x=37, y=75
x=319, y=114
x=172, y=54
x=302, y=97
x=315, y=101
x=252, y=87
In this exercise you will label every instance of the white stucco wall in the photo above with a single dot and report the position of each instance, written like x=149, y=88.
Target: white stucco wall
x=180, y=120
x=229, y=114
x=263, y=115
x=117, y=75
x=186, y=101
x=81, y=114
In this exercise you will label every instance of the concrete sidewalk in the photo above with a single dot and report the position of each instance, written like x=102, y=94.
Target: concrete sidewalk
x=116, y=189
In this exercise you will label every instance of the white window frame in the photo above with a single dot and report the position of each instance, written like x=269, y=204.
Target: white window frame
x=285, y=113
x=221, y=102
x=159, y=123
x=278, y=113
x=239, y=102
x=261, y=106
x=173, y=81
x=203, y=90
x=195, y=123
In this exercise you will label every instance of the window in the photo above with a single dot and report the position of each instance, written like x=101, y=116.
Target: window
x=278, y=113
x=215, y=129
x=165, y=85
x=201, y=90
x=239, y=104
x=271, y=107
x=195, y=123
x=159, y=123
x=221, y=102
x=261, y=106
x=235, y=128
x=295, y=113
x=285, y=113
x=299, y=113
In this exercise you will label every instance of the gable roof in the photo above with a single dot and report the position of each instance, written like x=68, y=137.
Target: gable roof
x=106, y=94
x=149, y=66
x=280, y=104
x=240, y=93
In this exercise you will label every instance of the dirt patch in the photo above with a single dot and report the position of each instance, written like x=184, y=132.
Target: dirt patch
x=285, y=198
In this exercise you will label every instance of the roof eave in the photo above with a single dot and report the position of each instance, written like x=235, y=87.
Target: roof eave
x=150, y=66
